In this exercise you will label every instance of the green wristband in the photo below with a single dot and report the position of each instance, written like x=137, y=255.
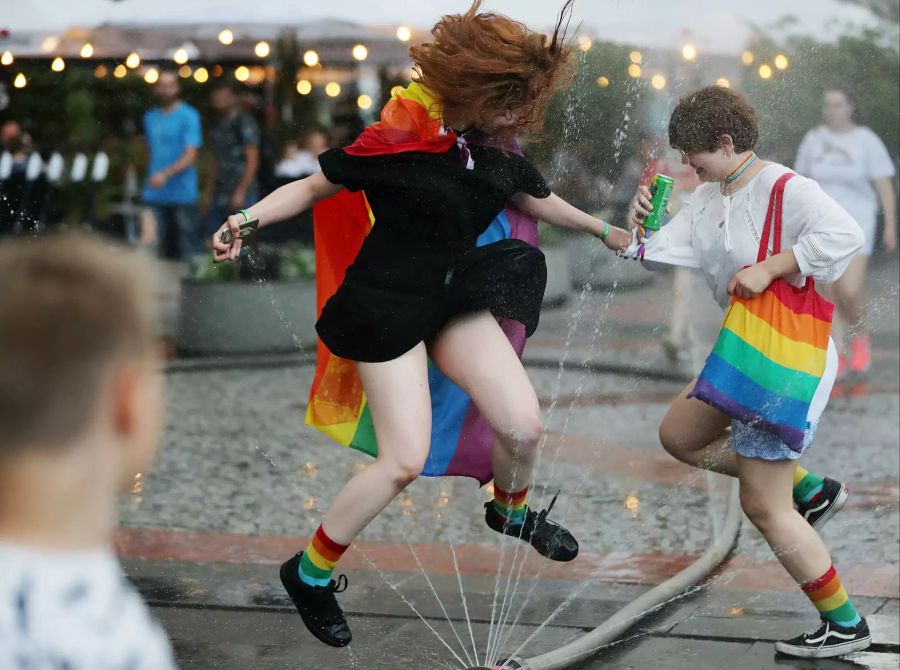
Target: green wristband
x=245, y=213
x=605, y=233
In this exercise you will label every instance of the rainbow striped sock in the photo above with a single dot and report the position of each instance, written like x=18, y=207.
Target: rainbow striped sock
x=828, y=595
x=806, y=485
x=511, y=506
x=319, y=559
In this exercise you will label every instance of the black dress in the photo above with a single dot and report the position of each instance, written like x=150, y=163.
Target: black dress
x=419, y=266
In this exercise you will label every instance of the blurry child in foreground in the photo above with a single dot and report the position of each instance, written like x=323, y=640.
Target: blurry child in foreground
x=81, y=406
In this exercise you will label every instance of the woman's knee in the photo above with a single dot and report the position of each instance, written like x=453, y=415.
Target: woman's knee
x=407, y=466
x=672, y=438
x=522, y=431
x=762, y=511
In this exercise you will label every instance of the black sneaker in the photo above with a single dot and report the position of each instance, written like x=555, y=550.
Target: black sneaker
x=826, y=504
x=829, y=640
x=317, y=605
x=550, y=539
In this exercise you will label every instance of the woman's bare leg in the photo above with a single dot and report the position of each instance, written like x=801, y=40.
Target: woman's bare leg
x=400, y=403
x=474, y=352
x=697, y=434
x=766, y=498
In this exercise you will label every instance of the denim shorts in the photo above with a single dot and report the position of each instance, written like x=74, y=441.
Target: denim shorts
x=751, y=442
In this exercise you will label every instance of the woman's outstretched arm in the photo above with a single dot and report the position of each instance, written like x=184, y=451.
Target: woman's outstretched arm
x=283, y=203
x=558, y=212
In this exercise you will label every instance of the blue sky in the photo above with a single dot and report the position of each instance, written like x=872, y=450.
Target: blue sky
x=714, y=25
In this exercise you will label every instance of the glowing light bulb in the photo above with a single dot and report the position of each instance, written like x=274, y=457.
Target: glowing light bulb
x=404, y=34
x=658, y=82
x=7, y=58
x=151, y=76
x=636, y=57
x=360, y=52
x=364, y=102
x=242, y=73
x=262, y=49
x=747, y=57
x=781, y=62
x=226, y=37
x=765, y=71
x=87, y=50
x=634, y=70
x=688, y=52
x=723, y=82
x=180, y=56
x=333, y=89
x=20, y=81
x=311, y=58
x=201, y=75
x=133, y=61
x=304, y=87
x=602, y=82
x=58, y=64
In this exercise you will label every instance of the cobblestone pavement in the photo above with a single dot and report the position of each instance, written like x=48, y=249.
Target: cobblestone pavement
x=240, y=480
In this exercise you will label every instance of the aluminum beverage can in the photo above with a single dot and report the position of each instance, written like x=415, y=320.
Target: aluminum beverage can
x=661, y=191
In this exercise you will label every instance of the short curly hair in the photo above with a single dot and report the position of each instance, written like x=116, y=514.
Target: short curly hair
x=701, y=118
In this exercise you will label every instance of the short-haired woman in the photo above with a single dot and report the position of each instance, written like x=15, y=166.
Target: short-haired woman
x=719, y=233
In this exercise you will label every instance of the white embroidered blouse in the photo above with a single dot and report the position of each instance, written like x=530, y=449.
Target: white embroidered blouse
x=720, y=235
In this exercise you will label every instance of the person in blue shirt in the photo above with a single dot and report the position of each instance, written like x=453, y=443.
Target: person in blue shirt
x=173, y=137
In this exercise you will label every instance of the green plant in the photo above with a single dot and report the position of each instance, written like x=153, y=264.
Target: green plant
x=206, y=271
x=267, y=263
x=297, y=262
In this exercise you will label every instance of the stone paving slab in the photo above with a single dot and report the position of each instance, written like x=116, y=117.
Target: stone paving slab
x=238, y=640
x=761, y=656
x=223, y=615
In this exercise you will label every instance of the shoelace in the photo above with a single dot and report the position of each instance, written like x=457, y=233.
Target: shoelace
x=542, y=516
x=333, y=614
x=341, y=584
x=825, y=636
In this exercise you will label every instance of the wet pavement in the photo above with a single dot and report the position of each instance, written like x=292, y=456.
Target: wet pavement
x=235, y=491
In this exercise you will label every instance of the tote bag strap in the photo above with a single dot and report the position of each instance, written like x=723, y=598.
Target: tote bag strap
x=774, y=217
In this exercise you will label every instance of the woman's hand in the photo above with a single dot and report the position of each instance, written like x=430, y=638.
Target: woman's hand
x=639, y=209
x=228, y=251
x=618, y=239
x=750, y=282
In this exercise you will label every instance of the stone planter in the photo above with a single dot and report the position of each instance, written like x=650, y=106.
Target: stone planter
x=559, y=275
x=246, y=318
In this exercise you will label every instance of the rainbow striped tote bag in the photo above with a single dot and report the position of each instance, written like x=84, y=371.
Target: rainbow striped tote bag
x=771, y=352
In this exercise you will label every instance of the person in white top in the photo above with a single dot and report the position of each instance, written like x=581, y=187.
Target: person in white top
x=80, y=415
x=852, y=165
x=719, y=232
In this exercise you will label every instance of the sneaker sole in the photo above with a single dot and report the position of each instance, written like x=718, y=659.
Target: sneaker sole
x=836, y=507
x=318, y=636
x=823, y=652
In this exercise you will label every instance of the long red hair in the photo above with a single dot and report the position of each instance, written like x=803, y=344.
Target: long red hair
x=482, y=66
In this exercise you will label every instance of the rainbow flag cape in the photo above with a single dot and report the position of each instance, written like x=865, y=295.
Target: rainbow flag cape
x=461, y=438
x=771, y=352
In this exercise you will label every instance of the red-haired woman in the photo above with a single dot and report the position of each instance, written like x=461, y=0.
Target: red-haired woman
x=419, y=287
